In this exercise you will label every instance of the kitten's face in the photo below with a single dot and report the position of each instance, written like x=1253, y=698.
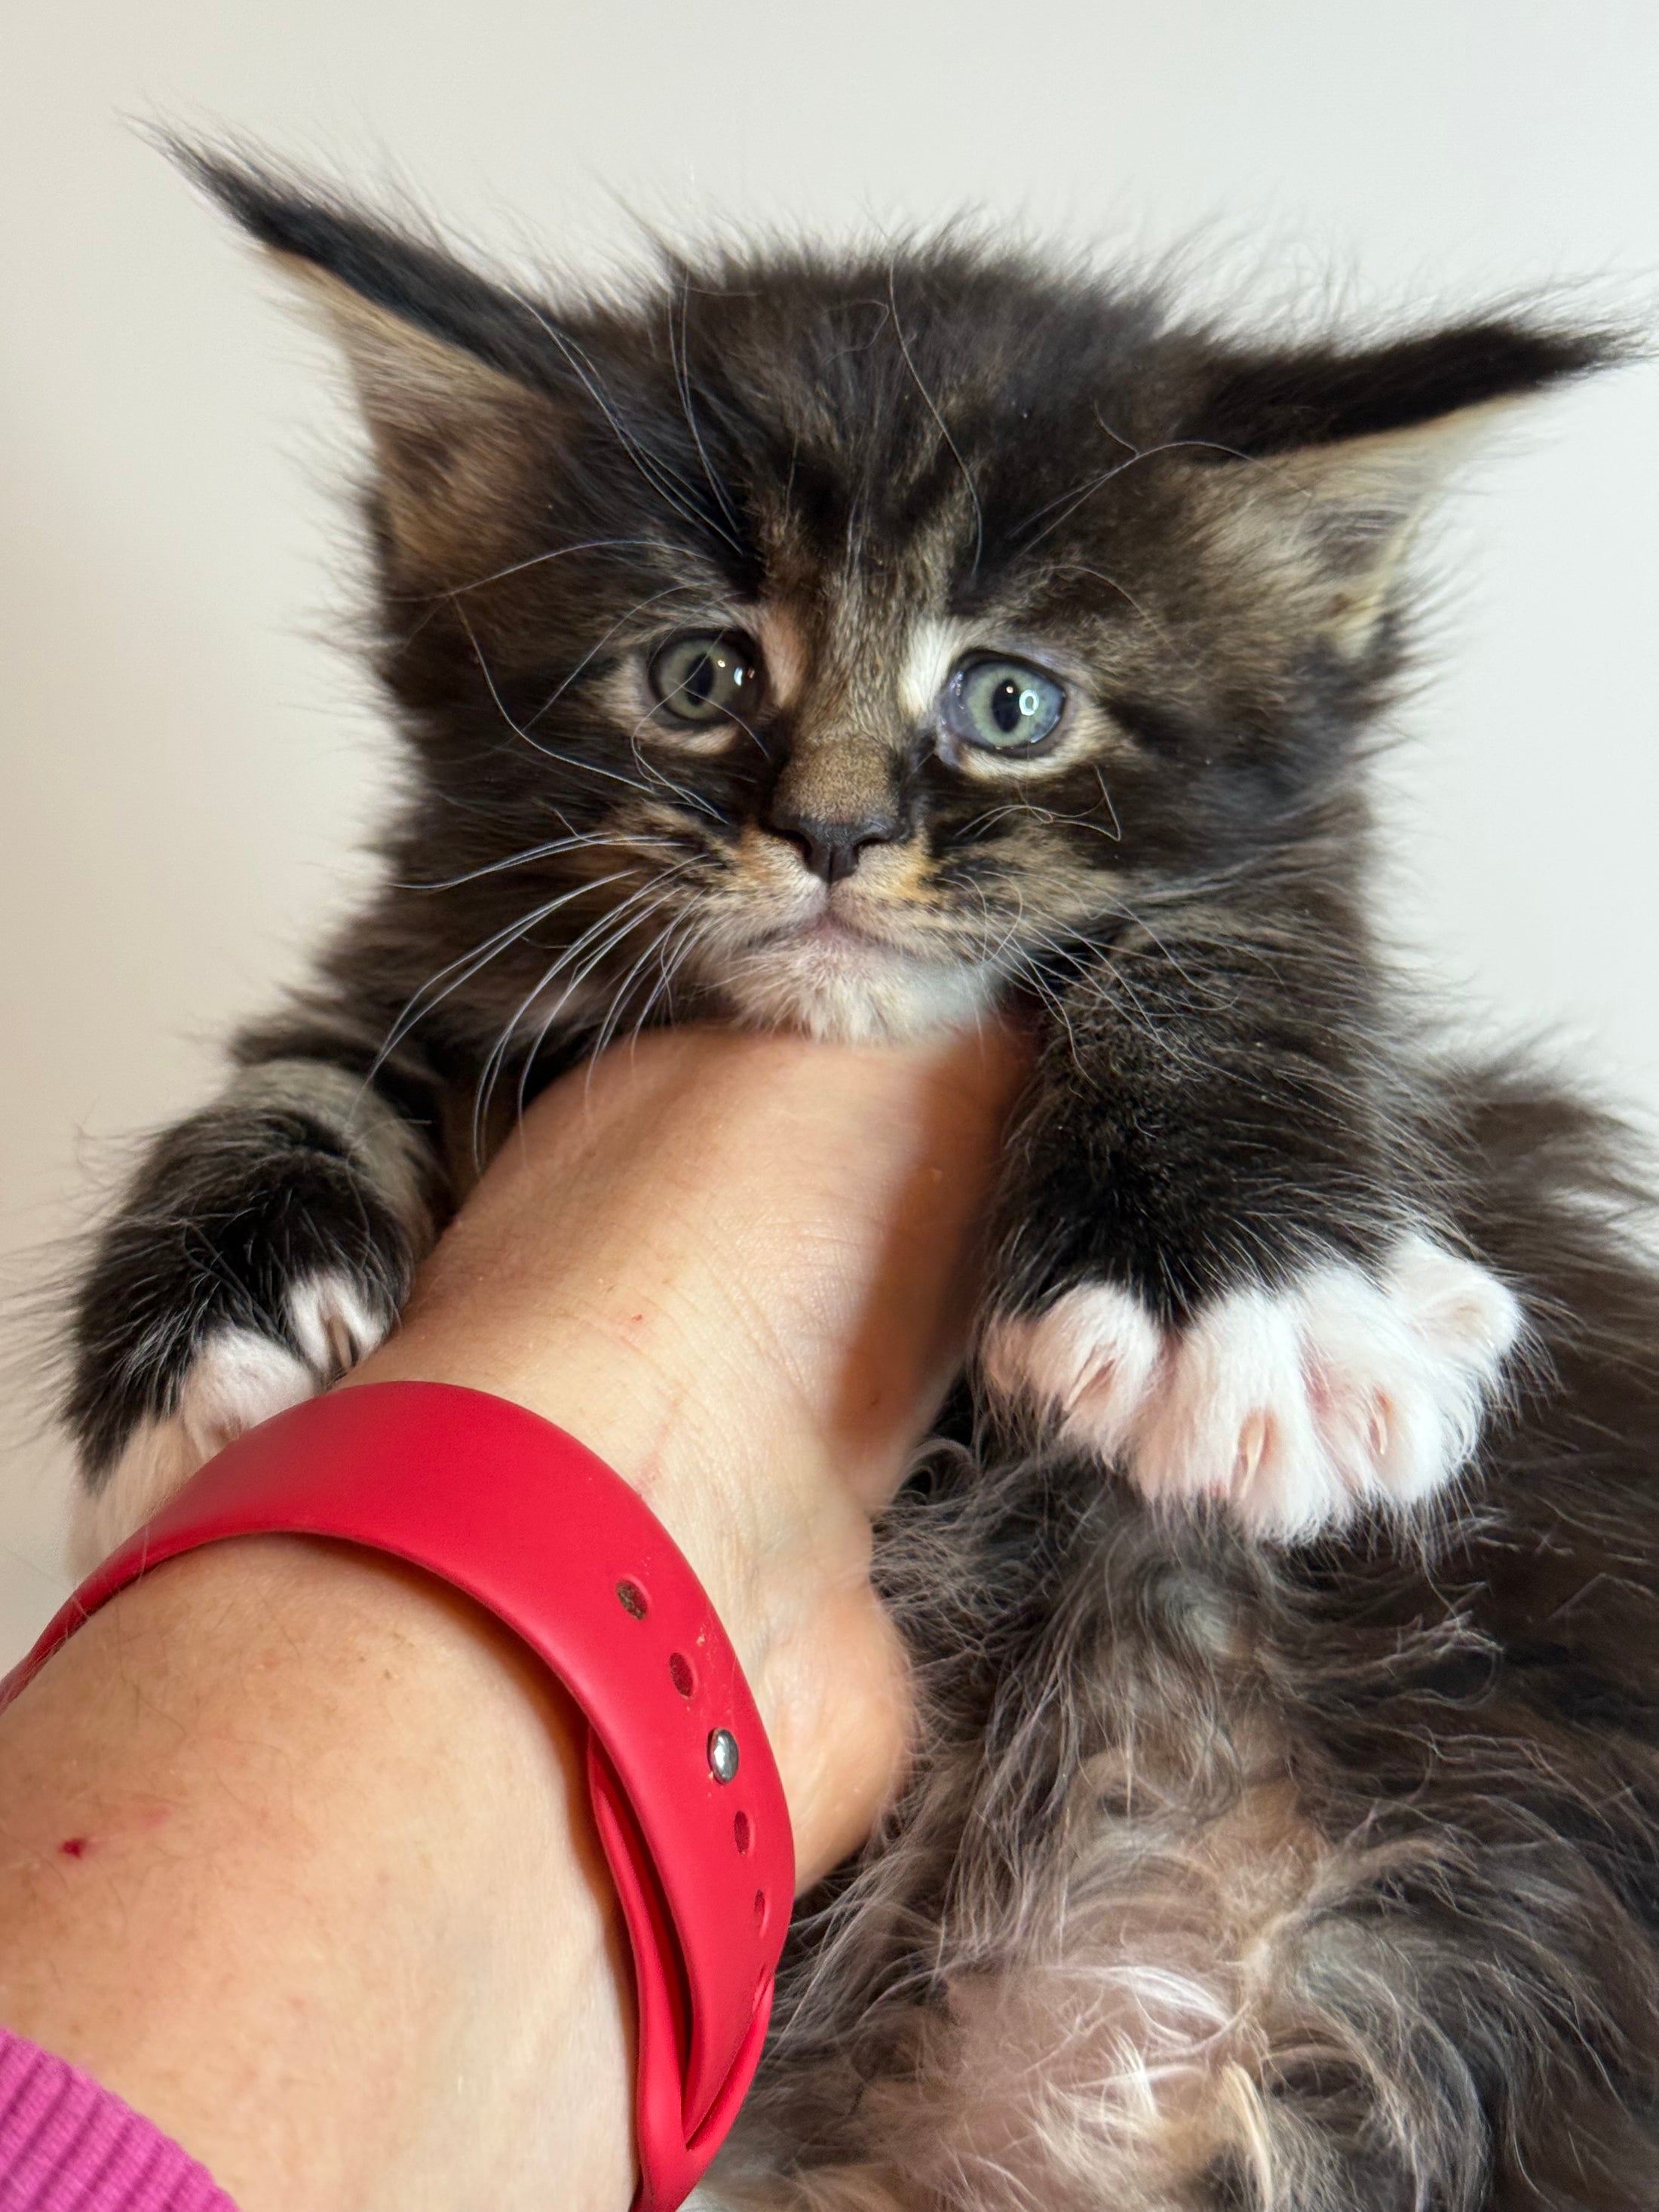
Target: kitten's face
x=876, y=808
x=862, y=722
x=839, y=644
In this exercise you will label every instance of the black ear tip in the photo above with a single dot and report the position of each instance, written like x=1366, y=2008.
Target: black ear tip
x=225, y=174
x=397, y=263
x=279, y=211
x=1276, y=400
x=1510, y=358
x=1530, y=356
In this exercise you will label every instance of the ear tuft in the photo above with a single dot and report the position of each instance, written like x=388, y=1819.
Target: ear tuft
x=1285, y=400
x=414, y=279
x=1352, y=448
x=451, y=370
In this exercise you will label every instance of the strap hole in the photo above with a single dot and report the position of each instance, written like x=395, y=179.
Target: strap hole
x=680, y=1674
x=633, y=1600
x=740, y=1831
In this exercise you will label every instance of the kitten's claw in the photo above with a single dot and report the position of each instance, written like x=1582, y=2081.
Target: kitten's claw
x=1299, y=1407
x=238, y=1378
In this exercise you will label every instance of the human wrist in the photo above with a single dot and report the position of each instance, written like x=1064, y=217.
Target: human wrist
x=786, y=1562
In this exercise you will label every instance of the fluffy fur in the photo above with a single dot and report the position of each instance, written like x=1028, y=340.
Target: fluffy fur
x=1281, y=1589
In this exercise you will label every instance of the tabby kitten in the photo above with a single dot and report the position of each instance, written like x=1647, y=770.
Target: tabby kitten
x=856, y=644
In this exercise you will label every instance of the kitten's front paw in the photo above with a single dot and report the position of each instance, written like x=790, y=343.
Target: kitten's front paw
x=236, y=1378
x=1299, y=1407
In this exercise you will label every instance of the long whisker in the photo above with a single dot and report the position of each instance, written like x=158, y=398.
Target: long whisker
x=1203, y=987
x=470, y=963
x=433, y=600
x=611, y=937
x=731, y=716
x=661, y=477
x=683, y=380
x=1099, y=575
x=1032, y=974
x=565, y=760
x=658, y=774
x=489, y=1074
x=619, y=996
x=1115, y=977
x=994, y=956
x=691, y=933
x=1047, y=815
x=668, y=592
x=555, y=553
x=1068, y=503
x=573, y=843
x=1117, y=827
x=944, y=427
x=663, y=886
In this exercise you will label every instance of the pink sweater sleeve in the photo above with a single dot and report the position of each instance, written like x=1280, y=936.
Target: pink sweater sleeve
x=67, y=2146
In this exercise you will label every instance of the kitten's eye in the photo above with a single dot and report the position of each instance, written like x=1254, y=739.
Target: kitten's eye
x=707, y=676
x=1007, y=706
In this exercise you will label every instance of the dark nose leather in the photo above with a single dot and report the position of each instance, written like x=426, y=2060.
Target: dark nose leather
x=832, y=849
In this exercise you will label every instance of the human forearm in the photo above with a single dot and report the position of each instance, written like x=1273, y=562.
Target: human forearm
x=292, y=1837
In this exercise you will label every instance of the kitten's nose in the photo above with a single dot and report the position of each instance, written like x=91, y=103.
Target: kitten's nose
x=833, y=849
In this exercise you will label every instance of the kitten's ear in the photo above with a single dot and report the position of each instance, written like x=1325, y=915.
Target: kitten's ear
x=1352, y=448
x=450, y=371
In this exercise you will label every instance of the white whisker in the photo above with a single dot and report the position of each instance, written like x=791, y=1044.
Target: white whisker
x=575, y=842
x=668, y=592
x=489, y=1073
x=565, y=760
x=661, y=477
x=929, y=402
x=683, y=382
x=470, y=963
x=597, y=952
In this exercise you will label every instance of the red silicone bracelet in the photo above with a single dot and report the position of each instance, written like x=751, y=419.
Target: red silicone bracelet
x=686, y=1795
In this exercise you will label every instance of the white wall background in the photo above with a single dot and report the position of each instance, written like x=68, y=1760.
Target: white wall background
x=185, y=765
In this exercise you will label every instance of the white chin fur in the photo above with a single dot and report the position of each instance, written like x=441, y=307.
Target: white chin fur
x=852, y=993
x=238, y=1379
x=1299, y=1408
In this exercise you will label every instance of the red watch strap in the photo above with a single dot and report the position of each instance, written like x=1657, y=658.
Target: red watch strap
x=686, y=1795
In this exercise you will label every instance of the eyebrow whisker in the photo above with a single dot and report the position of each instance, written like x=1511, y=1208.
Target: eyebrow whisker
x=932, y=406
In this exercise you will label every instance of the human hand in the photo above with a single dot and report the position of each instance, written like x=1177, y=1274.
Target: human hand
x=740, y=1269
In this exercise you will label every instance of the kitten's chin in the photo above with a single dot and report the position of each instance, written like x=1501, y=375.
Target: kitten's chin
x=852, y=990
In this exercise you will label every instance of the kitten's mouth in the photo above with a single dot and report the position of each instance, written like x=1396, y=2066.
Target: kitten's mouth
x=831, y=931
x=836, y=975
x=824, y=930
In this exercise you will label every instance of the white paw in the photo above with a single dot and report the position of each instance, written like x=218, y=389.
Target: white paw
x=238, y=1379
x=1298, y=1407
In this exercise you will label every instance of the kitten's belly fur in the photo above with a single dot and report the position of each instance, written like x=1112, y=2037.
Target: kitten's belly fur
x=1107, y=2057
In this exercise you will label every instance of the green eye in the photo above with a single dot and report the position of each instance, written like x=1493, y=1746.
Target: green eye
x=707, y=676
x=1007, y=706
